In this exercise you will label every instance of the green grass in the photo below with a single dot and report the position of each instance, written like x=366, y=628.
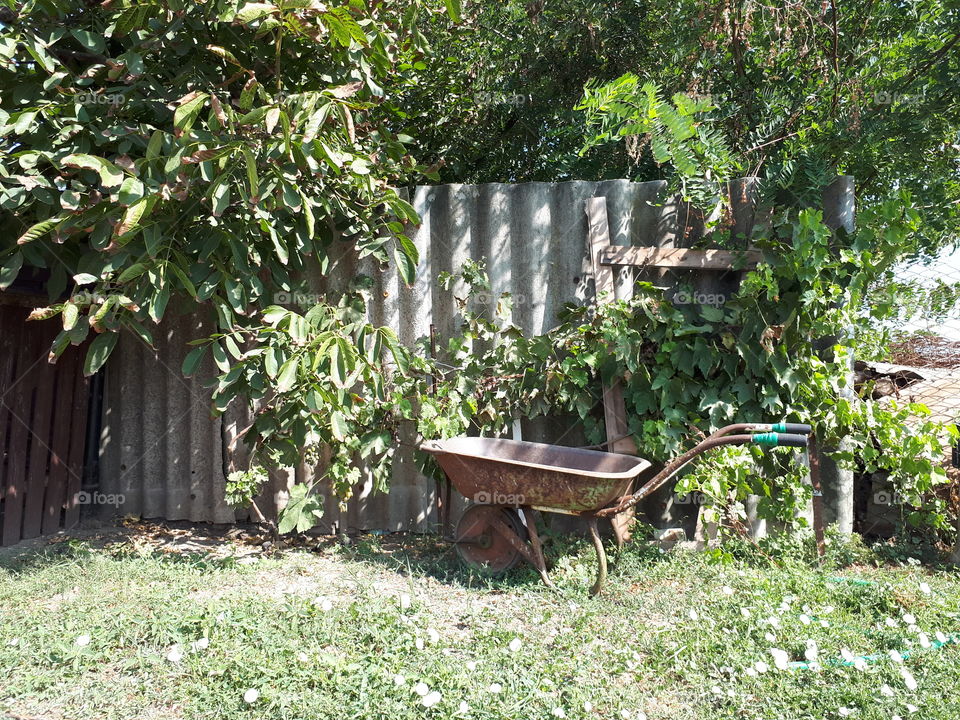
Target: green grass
x=330, y=634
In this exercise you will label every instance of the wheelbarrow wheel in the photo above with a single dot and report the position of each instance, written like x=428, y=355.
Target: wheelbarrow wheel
x=481, y=546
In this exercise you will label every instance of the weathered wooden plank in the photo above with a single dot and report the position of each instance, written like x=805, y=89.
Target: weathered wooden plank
x=67, y=375
x=614, y=408
x=19, y=401
x=42, y=378
x=684, y=258
x=78, y=441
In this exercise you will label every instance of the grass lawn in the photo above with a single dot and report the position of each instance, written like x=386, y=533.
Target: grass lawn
x=395, y=627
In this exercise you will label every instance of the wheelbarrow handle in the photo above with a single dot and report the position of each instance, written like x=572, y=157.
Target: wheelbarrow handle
x=796, y=428
x=775, y=439
x=763, y=439
x=782, y=427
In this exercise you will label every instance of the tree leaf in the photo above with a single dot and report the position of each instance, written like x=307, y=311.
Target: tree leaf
x=191, y=363
x=10, y=269
x=99, y=351
x=288, y=375
x=338, y=426
x=39, y=230
x=69, y=315
x=188, y=110
x=110, y=175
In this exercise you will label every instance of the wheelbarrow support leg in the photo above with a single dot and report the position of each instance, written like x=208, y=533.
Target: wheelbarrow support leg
x=529, y=516
x=601, y=558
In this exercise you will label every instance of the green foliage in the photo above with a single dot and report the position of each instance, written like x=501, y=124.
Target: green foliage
x=161, y=154
x=243, y=485
x=326, y=383
x=677, y=134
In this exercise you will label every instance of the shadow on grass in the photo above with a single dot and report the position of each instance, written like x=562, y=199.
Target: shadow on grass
x=430, y=556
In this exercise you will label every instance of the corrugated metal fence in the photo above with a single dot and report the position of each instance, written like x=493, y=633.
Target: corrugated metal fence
x=166, y=456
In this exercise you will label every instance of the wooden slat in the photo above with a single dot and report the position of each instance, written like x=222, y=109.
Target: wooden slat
x=67, y=375
x=19, y=400
x=40, y=440
x=78, y=441
x=614, y=408
x=685, y=258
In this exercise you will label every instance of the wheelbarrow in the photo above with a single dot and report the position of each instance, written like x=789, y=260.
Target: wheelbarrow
x=508, y=481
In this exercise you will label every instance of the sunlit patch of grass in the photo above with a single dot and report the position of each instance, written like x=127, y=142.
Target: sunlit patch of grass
x=396, y=627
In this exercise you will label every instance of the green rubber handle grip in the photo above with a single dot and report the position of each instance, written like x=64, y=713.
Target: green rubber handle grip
x=797, y=428
x=773, y=439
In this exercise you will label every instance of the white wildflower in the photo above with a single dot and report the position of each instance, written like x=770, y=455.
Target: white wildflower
x=464, y=708
x=912, y=708
x=890, y=622
x=886, y=690
x=908, y=679
x=418, y=643
x=399, y=680
x=745, y=612
x=773, y=621
x=895, y=656
x=761, y=667
x=559, y=712
x=726, y=590
x=82, y=641
x=495, y=688
x=805, y=619
x=175, y=654
x=201, y=644
x=588, y=706
x=693, y=616
x=770, y=637
x=432, y=635
x=251, y=696
x=924, y=640
x=431, y=699
x=515, y=644
x=924, y=588
x=860, y=663
x=845, y=711
x=941, y=638
x=812, y=652
x=909, y=619
x=404, y=601
x=846, y=655
x=471, y=665
x=780, y=658
x=421, y=689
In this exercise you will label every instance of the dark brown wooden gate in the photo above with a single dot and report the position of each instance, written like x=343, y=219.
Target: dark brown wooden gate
x=43, y=419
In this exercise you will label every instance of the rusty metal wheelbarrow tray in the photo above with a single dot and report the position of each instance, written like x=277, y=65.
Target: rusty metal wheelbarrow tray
x=543, y=477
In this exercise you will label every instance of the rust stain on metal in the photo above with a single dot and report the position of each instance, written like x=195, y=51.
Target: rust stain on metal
x=515, y=473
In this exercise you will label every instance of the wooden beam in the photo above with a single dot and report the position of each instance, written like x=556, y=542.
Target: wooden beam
x=614, y=408
x=686, y=258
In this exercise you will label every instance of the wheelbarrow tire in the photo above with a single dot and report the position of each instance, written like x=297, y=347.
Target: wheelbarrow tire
x=481, y=547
